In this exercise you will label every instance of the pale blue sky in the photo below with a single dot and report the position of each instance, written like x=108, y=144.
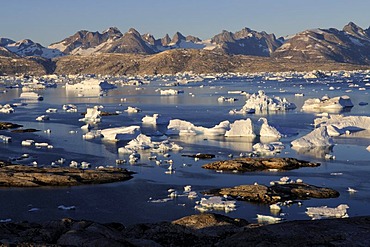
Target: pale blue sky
x=48, y=21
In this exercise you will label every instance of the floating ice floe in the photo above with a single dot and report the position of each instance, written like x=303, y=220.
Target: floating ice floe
x=319, y=137
x=121, y=133
x=171, y=92
x=27, y=142
x=6, y=109
x=86, y=126
x=343, y=125
x=70, y=108
x=51, y=110
x=30, y=96
x=5, y=139
x=241, y=128
x=351, y=190
x=91, y=84
x=155, y=119
x=181, y=127
x=62, y=207
x=131, y=109
x=325, y=212
x=92, y=135
x=327, y=104
x=226, y=99
x=267, y=219
x=368, y=148
x=42, y=118
x=92, y=115
x=260, y=102
x=143, y=142
x=215, y=203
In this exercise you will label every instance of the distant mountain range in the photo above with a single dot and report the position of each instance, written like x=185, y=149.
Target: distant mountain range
x=349, y=45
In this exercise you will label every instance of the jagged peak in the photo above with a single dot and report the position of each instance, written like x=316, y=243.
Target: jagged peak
x=112, y=30
x=133, y=31
x=6, y=41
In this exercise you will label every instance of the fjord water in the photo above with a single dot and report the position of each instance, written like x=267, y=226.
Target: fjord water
x=129, y=202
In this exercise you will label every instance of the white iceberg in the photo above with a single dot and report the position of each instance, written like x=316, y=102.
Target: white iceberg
x=215, y=203
x=267, y=219
x=316, y=138
x=30, y=96
x=261, y=103
x=171, y=92
x=131, y=109
x=241, y=128
x=42, y=118
x=92, y=115
x=89, y=84
x=121, y=133
x=182, y=127
x=327, y=104
x=267, y=130
x=5, y=139
x=325, y=212
x=6, y=109
x=155, y=119
x=338, y=125
x=143, y=142
x=70, y=108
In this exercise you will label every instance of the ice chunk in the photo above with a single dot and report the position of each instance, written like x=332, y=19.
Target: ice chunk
x=92, y=115
x=241, y=128
x=6, y=109
x=260, y=102
x=42, y=118
x=171, y=92
x=27, y=142
x=121, y=133
x=70, y=108
x=30, y=96
x=216, y=203
x=62, y=207
x=51, y=110
x=327, y=104
x=268, y=219
x=325, y=212
x=339, y=125
x=181, y=127
x=155, y=119
x=5, y=139
x=267, y=130
x=131, y=109
x=316, y=138
x=90, y=84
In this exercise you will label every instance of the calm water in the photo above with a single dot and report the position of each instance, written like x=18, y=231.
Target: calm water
x=128, y=202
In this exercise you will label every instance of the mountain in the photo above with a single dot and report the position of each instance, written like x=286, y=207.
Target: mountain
x=246, y=42
x=83, y=40
x=27, y=48
x=350, y=45
x=5, y=41
x=6, y=53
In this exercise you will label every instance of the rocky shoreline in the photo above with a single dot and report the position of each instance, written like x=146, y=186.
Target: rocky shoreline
x=193, y=230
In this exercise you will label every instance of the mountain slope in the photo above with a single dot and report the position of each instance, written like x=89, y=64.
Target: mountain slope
x=350, y=45
x=26, y=48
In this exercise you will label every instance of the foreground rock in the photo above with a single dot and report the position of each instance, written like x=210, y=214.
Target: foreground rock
x=25, y=176
x=275, y=193
x=194, y=230
x=258, y=164
x=7, y=125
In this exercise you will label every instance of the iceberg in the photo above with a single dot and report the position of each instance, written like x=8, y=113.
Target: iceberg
x=6, y=109
x=338, y=124
x=326, y=212
x=92, y=115
x=89, y=84
x=182, y=127
x=155, y=119
x=215, y=203
x=171, y=92
x=121, y=133
x=260, y=102
x=316, y=138
x=241, y=128
x=327, y=104
x=131, y=109
x=267, y=130
x=30, y=96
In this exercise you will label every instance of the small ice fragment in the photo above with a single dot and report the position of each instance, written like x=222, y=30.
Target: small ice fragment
x=268, y=219
x=326, y=212
x=351, y=190
x=33, y=209
x=187, y=188
x=62, y=207
x=192, y=195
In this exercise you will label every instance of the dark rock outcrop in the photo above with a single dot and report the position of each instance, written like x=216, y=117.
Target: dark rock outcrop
x=26, y=176
x=7, y=125
x=259, y=164
x=275, y=193
x=194, y=230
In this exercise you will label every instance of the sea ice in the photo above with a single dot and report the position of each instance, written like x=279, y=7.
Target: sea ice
x=92, y=115
x=155, y=119
x=70, y=108
x=171, y=92
x=6, y=109
x=215, y=203
x=42, y=118
x=121, y=133
x=181, y=127
x=268, y=219
x=339, y=125
x=5, y=139
x=30, y=96
x=267, y=130
x=260, y=102
x=131, y=109
x=325, y=212
x=316, y=138
x=241, y=128
x=327, y=104
x=90, y=84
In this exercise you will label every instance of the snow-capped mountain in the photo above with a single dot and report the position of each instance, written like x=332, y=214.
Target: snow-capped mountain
x=350, y=45
x=26, y=48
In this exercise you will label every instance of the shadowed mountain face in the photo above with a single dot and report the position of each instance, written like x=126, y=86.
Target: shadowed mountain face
x=350, y=45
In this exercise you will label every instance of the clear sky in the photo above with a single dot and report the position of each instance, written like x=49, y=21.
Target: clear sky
x=48, y=21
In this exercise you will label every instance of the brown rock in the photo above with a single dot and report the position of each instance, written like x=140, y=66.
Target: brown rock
x=275, y=193
x=7, y=125
x=259, y=164
x=25, y=176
